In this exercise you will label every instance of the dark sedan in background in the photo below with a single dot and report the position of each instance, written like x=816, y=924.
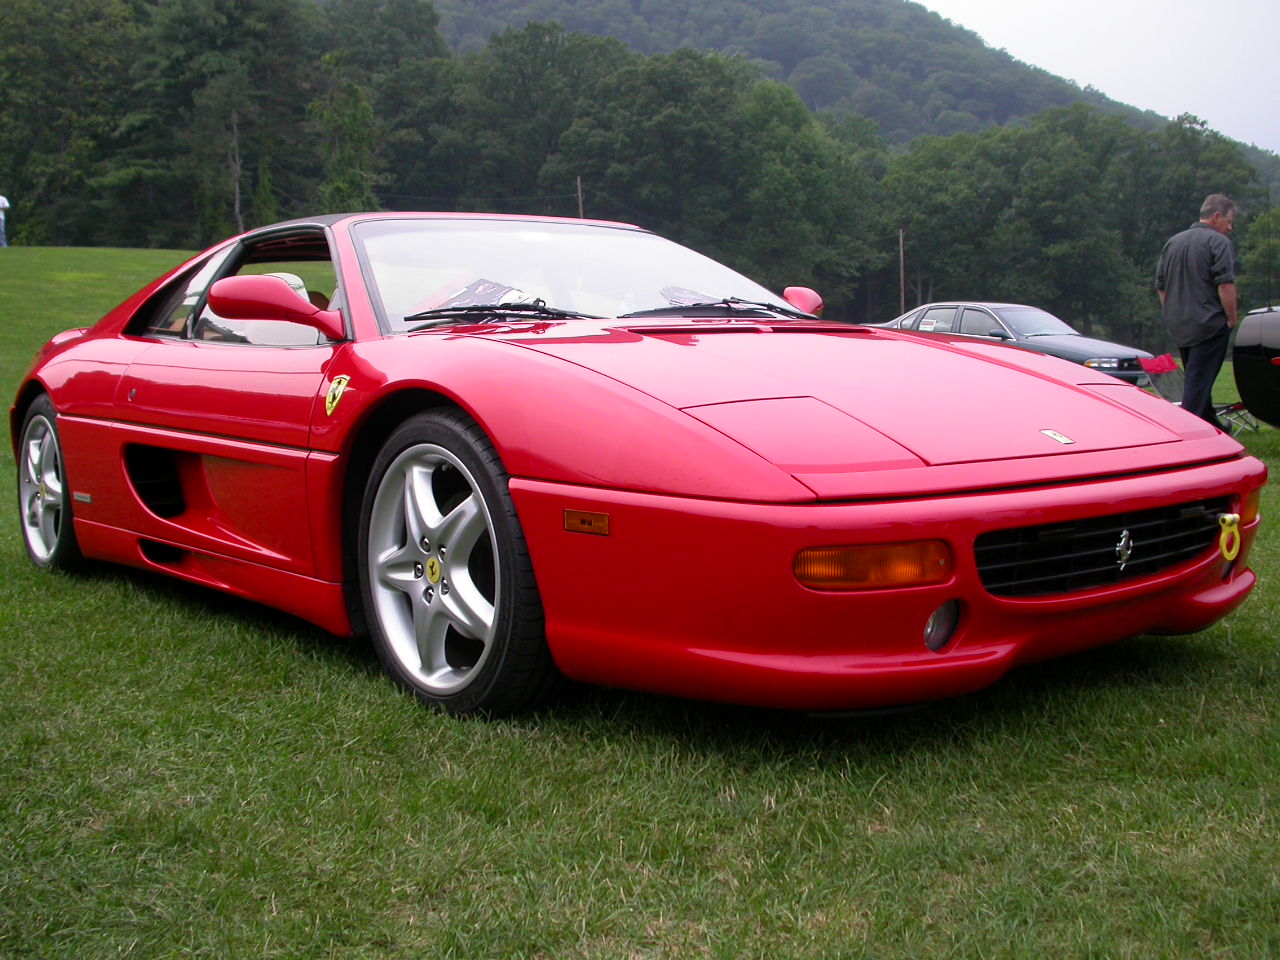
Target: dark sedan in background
x=1027, y=327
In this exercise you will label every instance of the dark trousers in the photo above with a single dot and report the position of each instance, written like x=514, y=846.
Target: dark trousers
x=1202, y=363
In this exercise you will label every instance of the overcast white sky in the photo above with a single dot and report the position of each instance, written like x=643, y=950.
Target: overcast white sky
x=1217, y=59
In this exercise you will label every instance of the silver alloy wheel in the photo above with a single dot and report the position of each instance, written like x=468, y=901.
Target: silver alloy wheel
x=41, y=492
x=433, y=571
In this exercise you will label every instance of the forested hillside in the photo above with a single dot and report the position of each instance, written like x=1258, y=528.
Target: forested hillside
x=175, y=122
x=892, y=61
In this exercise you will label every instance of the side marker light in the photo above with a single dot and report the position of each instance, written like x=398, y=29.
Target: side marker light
x=580, y=521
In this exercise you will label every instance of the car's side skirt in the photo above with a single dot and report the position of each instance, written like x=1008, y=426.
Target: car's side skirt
x=317, y=601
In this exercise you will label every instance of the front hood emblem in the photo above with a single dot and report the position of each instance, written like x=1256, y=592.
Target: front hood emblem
x=1124, y=549
x=1055, y=435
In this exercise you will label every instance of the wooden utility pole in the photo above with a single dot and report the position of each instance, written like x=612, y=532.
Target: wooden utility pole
x=902, y=274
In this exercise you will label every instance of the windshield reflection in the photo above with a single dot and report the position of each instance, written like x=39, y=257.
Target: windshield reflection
x=417, y=265
x=1033, y=322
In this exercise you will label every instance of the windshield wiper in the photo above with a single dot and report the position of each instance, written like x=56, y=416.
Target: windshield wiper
x=732, y=305
x=443, y=316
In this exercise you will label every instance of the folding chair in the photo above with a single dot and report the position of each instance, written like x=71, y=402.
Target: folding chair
x=1168, y=381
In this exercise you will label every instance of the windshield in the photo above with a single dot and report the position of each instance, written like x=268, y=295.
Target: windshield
x=1033, y=322
x=421, y=265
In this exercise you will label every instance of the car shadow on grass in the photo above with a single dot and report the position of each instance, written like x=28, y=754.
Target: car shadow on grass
x=197, y=603
x=1078, y=692
x=1075, y=693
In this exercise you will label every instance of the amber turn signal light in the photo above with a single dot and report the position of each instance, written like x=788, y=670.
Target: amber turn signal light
x=581, y=521
x=882, y=566
x=1249, y=506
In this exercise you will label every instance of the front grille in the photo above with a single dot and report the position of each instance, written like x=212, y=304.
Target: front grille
x=1062, y=557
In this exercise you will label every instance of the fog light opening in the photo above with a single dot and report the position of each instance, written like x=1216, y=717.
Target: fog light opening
x=942, y=626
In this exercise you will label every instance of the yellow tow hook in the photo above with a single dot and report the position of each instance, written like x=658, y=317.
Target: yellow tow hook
x=1229, y=540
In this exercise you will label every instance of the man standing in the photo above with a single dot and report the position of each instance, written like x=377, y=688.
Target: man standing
x=4, y=209
x=1196, y=280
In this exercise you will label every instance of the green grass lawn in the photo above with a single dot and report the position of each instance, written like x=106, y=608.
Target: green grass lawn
x=186, y=775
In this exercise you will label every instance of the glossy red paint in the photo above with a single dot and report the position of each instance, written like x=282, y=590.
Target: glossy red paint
x=803, y=298
x=695, y=597
x=718, y=448
x=270, y=298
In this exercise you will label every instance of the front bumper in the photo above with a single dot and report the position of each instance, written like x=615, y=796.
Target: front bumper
x=697, y=598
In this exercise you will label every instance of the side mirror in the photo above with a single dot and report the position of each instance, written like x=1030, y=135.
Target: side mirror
x=265, y=297
x=1000, y=334
x=803, y=298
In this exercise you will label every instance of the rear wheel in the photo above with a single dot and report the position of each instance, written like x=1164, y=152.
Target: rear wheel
x=44, y=502
x=446, y=580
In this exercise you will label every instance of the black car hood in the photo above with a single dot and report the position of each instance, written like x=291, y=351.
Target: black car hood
x=1078, y=348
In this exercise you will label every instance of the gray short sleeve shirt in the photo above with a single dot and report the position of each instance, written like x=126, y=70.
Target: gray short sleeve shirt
x=1193, y=264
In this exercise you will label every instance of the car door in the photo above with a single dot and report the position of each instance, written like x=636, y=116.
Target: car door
x=214, y=427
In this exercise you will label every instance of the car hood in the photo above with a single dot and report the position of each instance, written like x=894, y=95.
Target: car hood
x=831, y=401
x=1079, y=348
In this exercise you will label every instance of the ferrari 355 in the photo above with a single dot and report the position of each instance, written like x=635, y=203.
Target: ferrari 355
x=516, y=450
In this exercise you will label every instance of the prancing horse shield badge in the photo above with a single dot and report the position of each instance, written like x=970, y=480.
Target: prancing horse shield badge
x=338, y=385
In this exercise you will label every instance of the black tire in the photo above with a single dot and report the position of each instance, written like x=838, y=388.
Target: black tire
x=446, y=582
x=44, y=498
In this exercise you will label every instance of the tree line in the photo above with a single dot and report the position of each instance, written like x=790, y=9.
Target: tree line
x=893, y=61
x=176, y=122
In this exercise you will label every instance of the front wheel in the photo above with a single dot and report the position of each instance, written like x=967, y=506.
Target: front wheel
x=44, y=502
x=445, y=577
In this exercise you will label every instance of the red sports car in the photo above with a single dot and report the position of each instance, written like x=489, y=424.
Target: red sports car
x=514, y=450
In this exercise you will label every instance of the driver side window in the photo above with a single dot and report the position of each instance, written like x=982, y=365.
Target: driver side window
x=167, y=314
x=312, y=280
